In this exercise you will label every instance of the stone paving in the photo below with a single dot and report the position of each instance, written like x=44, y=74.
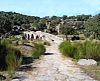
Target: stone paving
x=53, y=67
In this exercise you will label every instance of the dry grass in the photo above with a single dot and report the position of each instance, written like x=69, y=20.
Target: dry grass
x=93, y=71
x=25, y=50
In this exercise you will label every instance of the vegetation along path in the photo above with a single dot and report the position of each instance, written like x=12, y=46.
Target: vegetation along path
x=53, y=67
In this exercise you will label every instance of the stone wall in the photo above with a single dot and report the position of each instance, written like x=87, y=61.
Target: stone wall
x=31, y=35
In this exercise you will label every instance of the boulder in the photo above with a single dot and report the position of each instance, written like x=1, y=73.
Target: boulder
x=15, y=80
x=87, y=62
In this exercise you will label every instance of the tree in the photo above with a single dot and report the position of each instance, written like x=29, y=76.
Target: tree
x=64, y=17
x=5, y=25
x=83, y=17
x=92, y=27
x=68, y=31
x=54, y=17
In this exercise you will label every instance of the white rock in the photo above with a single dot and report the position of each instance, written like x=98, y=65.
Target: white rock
x=87, y=62
x=15, y=80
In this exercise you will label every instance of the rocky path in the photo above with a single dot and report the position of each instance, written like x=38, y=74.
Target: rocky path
x=53, y=67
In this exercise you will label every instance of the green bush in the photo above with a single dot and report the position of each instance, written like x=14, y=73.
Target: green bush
x=88, y=50
x=7, y=49
x=47, y=43
x=38, y=51
x=67, y=48
x=4, y=44
x=80, y=50
x=13, y=60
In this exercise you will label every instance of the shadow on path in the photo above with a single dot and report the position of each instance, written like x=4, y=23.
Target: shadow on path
x=48, y=54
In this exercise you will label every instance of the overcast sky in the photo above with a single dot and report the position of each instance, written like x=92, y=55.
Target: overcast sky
x=51, y=7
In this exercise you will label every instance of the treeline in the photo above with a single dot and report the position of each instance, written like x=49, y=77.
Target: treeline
x=64, y=22
x=67, y=25
x=10, y=19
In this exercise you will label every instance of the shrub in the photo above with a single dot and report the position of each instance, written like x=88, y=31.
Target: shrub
x=38, y=51
x=81, y=50
x=13, y=60
x=47, y=43
x=4, y=43
x=7, y=53
x=67, y=48
x=88, y=50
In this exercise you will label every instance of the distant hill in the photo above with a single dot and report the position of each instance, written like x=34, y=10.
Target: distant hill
x=12, y=21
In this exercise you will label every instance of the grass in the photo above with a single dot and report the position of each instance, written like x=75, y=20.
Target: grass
x=10, y=57
x=67, y=48
x=46, y=43
x=13, y=60
x=38, y=51
x=87, y=49
x=93, y=71
x=81, y=50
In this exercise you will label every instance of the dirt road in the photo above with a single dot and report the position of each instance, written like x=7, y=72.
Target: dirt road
x=53, y=67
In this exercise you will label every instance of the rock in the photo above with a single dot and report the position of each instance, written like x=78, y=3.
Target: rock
x=15, y=80
x=87, y=62
x=19, y=76
x=2, y=77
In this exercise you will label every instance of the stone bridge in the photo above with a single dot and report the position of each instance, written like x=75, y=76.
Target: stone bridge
x=31, y=35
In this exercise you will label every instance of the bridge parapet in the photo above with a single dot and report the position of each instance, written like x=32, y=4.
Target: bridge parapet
x=45, y=36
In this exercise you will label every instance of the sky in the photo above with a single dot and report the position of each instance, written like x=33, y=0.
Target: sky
x=43, y=8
